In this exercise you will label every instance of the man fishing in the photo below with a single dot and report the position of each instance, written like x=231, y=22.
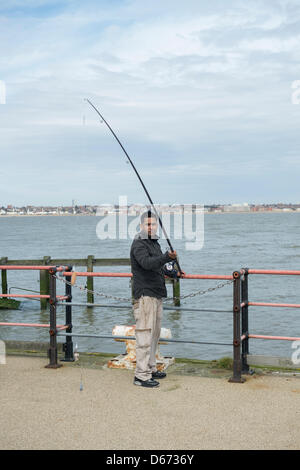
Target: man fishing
x=147, y=262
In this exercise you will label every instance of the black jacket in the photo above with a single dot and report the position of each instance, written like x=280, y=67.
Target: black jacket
x=147, y=260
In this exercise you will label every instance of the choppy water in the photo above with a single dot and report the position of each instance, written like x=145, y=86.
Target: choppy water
x=232, y=241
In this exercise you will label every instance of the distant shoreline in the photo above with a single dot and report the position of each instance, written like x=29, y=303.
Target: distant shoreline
x=275, y=211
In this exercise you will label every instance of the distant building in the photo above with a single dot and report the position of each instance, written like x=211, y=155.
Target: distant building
x=237, y=208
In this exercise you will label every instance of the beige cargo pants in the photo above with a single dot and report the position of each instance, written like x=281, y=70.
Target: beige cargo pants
x=147, y=313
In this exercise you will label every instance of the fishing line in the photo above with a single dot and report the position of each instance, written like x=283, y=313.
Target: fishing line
x=77, y=359
x=140, y=179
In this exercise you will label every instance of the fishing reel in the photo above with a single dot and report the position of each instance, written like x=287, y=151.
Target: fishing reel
x=170, y=269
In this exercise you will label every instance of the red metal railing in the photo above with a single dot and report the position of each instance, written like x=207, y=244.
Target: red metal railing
x=245, y=303
x=31, y=296
x=241, y=304
x=32, y=268
x=34, y=325
x=283, y=272
x=53, y=298
x=185, y=276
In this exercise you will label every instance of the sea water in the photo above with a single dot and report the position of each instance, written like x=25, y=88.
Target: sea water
x=231, y=241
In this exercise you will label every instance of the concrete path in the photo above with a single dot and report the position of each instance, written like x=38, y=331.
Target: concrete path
x=45, y=409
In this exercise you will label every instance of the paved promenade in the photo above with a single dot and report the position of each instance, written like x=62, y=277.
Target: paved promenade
x=45, y=409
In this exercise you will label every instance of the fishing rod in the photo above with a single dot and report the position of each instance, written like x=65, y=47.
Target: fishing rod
x=140, y=179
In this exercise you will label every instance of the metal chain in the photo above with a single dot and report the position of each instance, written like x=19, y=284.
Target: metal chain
x=85, y=289
x=199, y=292
x=168, y=299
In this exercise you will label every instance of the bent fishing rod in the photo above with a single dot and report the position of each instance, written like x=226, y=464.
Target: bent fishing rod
x=140, y=179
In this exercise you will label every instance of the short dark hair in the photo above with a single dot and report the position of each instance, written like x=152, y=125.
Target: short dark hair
x=147, y=215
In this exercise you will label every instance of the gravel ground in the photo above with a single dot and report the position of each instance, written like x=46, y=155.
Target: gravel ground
x=45, y=409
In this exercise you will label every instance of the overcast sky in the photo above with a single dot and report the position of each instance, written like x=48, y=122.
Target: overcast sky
x=199, y=93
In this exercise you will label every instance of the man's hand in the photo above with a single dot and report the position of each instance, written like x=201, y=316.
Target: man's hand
x=180, y=274
x=172, y=254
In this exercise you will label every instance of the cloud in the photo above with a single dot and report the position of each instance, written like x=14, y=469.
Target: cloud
x=177, y=84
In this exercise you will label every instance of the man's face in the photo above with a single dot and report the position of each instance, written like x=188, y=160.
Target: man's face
x=149, y=226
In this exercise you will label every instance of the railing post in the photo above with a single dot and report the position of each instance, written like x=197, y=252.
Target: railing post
x=245, y=324
x=237, y=366
x=131, y=289
x=68, y=345
x=4, y=277
x=52, y=352
x=176, y=292
x=44, y=282
x=90, y=279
